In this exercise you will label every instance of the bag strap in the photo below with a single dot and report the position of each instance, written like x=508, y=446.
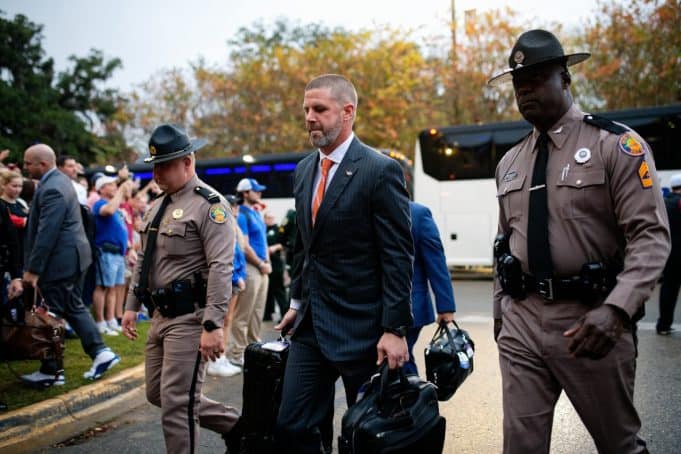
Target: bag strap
x=384, y=371
x=444, y=328
x=151, y=244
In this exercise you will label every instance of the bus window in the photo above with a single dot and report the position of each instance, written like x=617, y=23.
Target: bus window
x=454, y=174
x=467, y=153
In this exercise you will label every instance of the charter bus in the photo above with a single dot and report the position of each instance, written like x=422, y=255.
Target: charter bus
x=273, y=170
x=454, y=174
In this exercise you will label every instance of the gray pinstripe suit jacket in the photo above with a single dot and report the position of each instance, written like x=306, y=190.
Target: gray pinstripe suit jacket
x=353, y=269
x=56, y=246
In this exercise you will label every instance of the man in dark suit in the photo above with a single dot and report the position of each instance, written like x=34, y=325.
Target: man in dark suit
x=430, y=266
x=57, y=255
x=351, y=278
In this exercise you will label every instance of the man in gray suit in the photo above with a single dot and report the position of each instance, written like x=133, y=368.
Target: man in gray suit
x=351, y=279
x=57, y=255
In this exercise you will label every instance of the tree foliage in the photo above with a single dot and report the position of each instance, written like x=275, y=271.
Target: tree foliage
x=253, y=103
x=255, y=106
x=636, y=54
x=62, y=109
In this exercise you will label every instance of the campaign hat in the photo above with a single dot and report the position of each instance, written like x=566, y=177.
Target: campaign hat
x=169, y=141
x=536, y=47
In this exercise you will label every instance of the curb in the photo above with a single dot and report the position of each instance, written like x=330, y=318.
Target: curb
x=58, y=418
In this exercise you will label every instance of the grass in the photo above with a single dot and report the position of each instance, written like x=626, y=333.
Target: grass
x=76, y=362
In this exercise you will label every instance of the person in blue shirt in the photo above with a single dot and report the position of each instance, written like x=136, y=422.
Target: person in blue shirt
x=430, y=266
x=111, y=241
x=248, y=314
x=223, y=367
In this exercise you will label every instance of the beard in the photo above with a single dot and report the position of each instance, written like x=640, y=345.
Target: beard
x=327, y=137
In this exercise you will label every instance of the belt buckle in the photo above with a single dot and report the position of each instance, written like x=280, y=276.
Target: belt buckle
x=545, y=288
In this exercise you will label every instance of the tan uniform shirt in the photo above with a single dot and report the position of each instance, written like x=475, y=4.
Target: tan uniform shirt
x=194, y=235
x=605, y=204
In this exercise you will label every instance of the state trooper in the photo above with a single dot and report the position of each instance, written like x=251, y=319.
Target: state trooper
x=583, y=239
x=184, y=278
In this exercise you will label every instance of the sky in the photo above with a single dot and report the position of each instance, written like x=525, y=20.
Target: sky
x=152, y=35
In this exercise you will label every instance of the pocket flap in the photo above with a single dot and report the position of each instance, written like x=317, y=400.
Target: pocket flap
x=174, y=229
x=515, y=184
x=584, y=178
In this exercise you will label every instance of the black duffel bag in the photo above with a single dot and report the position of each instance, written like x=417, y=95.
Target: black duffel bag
x=449, y=359
x=398, y=414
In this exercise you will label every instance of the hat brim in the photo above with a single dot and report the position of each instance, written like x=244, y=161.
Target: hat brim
x=194, y=146
x=507, y=75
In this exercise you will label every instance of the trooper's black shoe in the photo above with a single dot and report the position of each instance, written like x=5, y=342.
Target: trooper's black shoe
x=665, y=331
x=233, y=438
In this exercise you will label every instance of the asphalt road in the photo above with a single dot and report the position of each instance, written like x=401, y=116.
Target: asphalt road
x=473, y=415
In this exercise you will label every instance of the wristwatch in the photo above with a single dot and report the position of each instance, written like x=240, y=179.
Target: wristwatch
x=209, y=326
x=400, y=331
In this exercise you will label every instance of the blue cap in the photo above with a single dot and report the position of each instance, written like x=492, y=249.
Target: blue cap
x=249, y=184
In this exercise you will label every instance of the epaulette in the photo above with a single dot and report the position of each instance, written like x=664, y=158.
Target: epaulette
x=211, y=196
x=604, y=123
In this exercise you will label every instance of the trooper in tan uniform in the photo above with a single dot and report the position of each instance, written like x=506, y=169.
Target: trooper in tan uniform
x=187, y=284
x=584, y=240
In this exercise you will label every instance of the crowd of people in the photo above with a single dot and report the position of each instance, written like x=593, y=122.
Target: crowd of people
x=113, y=208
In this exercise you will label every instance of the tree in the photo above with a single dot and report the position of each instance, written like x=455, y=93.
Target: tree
x=254, y=105
x=636, y=54
x=405, y=85
x=38, y=106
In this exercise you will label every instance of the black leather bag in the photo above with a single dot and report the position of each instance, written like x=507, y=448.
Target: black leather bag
x=398, y=414
x=264, y=365
x=449, y=359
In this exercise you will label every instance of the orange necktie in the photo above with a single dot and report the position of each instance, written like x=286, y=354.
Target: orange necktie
x=319, y=195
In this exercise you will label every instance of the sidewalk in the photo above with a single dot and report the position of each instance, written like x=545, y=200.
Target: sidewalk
x=54, y=419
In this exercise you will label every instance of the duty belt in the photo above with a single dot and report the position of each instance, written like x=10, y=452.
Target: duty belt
x=555, y=288
x=180, y=298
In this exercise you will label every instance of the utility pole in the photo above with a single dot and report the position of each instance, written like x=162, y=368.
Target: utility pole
x=453, y=77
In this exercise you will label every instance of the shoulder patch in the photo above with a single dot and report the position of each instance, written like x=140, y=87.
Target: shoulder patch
x=211, y=196
x=644, y=175
x=628, y=144
x=604, y=123
x=218, y=213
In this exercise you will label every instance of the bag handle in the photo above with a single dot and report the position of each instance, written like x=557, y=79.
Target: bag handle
x=442, y=327
x=384, y=372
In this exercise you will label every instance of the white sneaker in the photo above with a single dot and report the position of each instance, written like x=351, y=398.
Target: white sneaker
x=105, y=360
x=103, y=328
x=113, y=325
x=222, y=368
x=229, y=370
x=39, y=380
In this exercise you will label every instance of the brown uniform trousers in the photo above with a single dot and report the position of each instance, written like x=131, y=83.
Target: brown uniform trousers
x=605, y=205
x=536, y=367
x=174, y=366
x=195, y=236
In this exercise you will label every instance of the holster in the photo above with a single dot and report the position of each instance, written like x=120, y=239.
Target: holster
x=180, y=298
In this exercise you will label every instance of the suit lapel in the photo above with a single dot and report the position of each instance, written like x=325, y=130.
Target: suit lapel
x=349, y=166
x=309, y=175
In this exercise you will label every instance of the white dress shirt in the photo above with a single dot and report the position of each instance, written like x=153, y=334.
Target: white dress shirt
x=336, y=156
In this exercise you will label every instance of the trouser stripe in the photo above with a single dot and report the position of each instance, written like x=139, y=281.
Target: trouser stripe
x=190, y=406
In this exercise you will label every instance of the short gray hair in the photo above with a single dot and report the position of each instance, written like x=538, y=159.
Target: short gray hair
x=340, y=87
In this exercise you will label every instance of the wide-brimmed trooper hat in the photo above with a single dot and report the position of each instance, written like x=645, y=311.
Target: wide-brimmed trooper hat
x=170, y=142
x=533, y=48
